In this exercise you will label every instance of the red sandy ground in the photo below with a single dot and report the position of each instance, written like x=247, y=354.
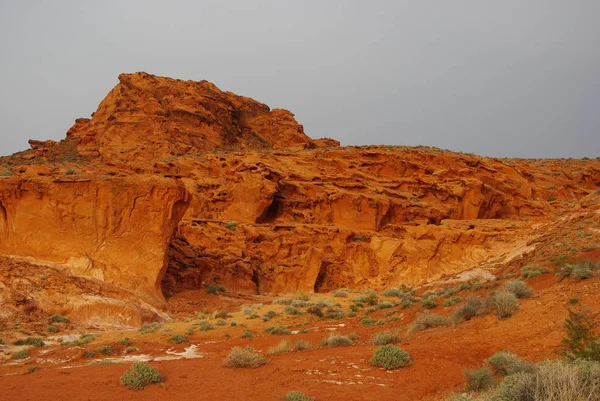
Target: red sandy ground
x=439, y=356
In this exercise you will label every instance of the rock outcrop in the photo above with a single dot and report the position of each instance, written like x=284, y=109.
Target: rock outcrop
x=113, y=230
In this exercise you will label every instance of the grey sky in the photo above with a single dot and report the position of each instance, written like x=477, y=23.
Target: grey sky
x=517, y=78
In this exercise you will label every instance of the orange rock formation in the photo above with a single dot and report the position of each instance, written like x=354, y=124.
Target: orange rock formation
x=270, y=210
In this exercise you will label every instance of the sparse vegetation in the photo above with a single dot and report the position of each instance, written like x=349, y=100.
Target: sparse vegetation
x=452, y=301
x=243, y=358
x=59, y=319
x=178, y=339
x=531, y=271
x=247, y=334
x=214, y=289
x=506, y=363
x=52, y=329
x=140, y=375
x=125, y=341
x=298, y=396
x=221, y=314
x=277, y=330
x=519, y=288
x=231, y=225
x=205, y=326
x=302, y=345
x=336, y=341
x=386, y=337
x=504, y=303
x=581, y=341
x=427, y=320
x=22, y=354
x=33, y=341
x=479, y=379
x=339, y=293
x=428, y=303
x=290, y=310
x=390, y=357
x=281, y=348
x=105, y=350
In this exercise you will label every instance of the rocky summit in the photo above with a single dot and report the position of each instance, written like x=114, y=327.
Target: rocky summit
x=175, y=198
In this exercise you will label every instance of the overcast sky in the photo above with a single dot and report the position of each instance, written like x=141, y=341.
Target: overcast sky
x=517, y=78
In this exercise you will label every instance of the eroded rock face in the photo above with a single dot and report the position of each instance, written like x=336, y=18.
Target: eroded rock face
x=150, y=117
x=113, y=230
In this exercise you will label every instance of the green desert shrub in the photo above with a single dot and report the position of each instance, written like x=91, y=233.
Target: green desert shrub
x=581, y=342
x=479, y=379
x=296, y=303
x=221, y=314
x=365, y=321
x=247, y=334
x=519, y=288
x=582, y=273
x=125, y=341
x=302, y=345
x=427, y=320
x=506, y=363
x=390, y=357
x=315, y=310
x=336, y=341
x=83, y=339
x=129, y=350
x=59, y=319
x=552, y=381
x=428, y=303
x=339, y=293
x=386, y=337
x=334, y=313
x=283, y=301
x=243, y=358
x=452, y=301
x=290, y=310
x=277, y=330
x=22, y=354
x=504, y=303
x=298, y=396
x=281, y=348
x=34, y=341
x=52, y=329
x=140, y=375
x=531, y=271
x=473, y=306
x=270, y=314
x=205, y=326
x=220, y=322
x=178, y=339
x=302, y=296
x=214, y=289
x=105, y=350
x=89, y=354
x=354, y=336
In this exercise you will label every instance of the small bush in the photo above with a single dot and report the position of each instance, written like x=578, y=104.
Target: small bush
x=390, y=357
x=59, y=319
x=533, y=271
x=365, y=321
x=298, y=396
x=354, y=336
x=52, y=329
x=581, y=341
x=553, y=381
x=129, y=350
x=302, y=296
x=22, y=354
x=281, y=348
x=283, y=301
x=214, y=289
x=178, y=339
x=300, y=304
x=247, y=334
x=504, y=303
x=386, y=337
x=221, y=314
x=277, y=330
x=452, y=301
x=270, y=314
x=243, y=358
x=474, y=306
x=83, y=339
x=125, y=341
x=506, y=363
x=427, y=320
x=479, y=379
x=428, y=303
x=1, y=341
x=105, y=350
x=302, y=345
x=139, y=375
x=336, y=341
x=290, y=310
x=582, y=273
x=34, y=341
x=385, y=305
x=315, y=310
x=519, y=288
x=333, y=313
x=89, y=354
x=205, y=326
x=339, y=294
x=231, y=225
